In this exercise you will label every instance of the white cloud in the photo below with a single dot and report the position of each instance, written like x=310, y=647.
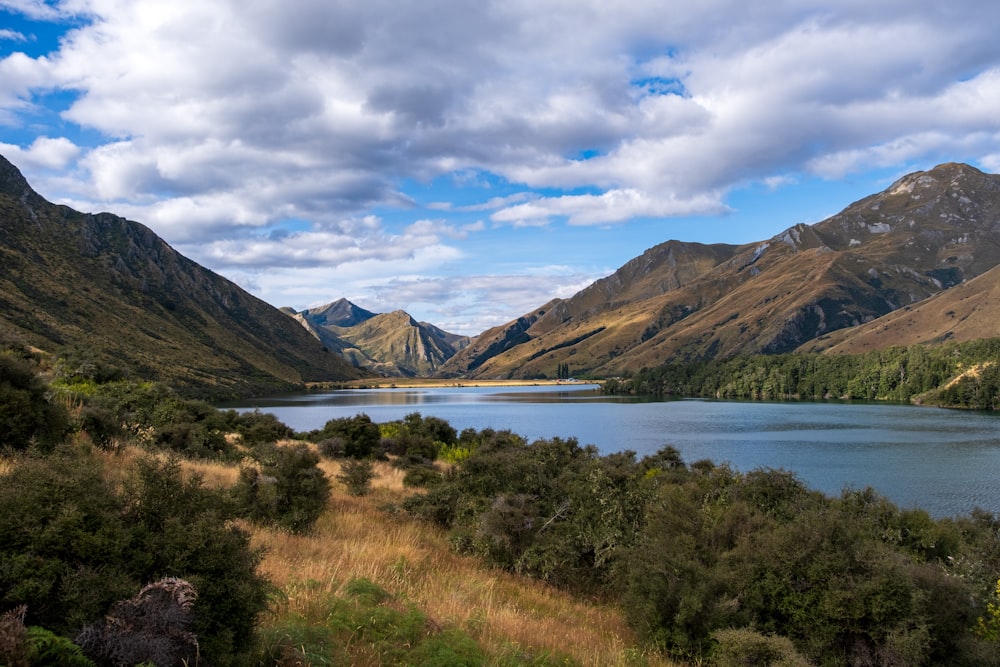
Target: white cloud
x=217, y=123
x=43, y=153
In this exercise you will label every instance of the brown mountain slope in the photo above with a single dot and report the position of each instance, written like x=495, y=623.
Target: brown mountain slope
x=609, y=309
x=926, y=232
x=391, y=344
x=969, y=311
x=114, y=291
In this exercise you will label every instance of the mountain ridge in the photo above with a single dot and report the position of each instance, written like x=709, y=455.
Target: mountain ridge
x=112, y=287
x=926, y=232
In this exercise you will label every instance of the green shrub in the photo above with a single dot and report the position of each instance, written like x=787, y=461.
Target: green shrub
x=742, y=647
x=359, y=434
x=71, y=544
x=357, y=475
x=26, y=415
x=288, y=489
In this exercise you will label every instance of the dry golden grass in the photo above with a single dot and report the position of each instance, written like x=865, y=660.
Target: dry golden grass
x=414, y=562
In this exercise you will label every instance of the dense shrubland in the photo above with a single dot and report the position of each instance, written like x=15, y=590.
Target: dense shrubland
x=710, y=565
x=691, y=551
x=962, y=375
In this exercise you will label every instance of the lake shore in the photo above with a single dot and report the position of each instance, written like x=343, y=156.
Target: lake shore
x=430, y=383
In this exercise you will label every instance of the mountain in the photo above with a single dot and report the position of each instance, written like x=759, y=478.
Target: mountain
x=392, y=344
x=929, y=231
x=114, y=292
x=969, y=311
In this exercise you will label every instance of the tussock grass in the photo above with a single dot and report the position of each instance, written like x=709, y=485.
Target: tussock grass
x=414, y=562
x=514, y=619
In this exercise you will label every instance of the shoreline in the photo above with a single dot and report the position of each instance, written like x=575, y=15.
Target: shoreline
x=431, y=383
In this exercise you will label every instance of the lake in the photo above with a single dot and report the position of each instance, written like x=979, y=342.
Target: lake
x=944, y=461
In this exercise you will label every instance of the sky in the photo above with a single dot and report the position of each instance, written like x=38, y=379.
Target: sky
x=469, y=161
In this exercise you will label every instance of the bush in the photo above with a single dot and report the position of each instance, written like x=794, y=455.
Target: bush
x=26, y=415
x=152, y=627
x=72, y=543
x=357, y=476
x=742, y=647
x=359, y=434
x=288, y=489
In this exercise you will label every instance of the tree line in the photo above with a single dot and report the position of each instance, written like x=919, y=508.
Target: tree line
x=964, y=375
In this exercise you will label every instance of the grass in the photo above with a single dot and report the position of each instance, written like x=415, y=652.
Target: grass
x=371, y=586
x=432, y=600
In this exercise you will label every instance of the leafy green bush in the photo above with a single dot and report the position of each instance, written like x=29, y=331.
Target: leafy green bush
x=357, y=475
x=288, y=489
x=72, y=543
x=359, y=434
x=26, y=415
x=742, y=647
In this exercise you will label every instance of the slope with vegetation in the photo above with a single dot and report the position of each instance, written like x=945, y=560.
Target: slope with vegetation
x=446, y=547
x=119, y=295
x=928, y=232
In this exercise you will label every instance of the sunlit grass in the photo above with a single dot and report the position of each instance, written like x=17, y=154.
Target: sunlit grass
x=359, y=538
x=414, y=562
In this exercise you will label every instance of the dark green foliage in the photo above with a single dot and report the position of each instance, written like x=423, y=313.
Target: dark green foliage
x=101, y=425
x=421, y=476
x=26, y=415
x=690, y=552
x=288, y=489
x=359, y=434
x=357, y=475
x=850, y=581
x=261, y=427
x=552, y=509
x=71, y=544
x=893, y=374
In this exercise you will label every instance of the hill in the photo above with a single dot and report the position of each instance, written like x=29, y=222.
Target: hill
x=926, y=233
x=116, y=294
x=392, y=344
x=970, y=311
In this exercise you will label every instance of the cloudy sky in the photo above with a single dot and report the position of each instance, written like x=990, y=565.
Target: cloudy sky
x=468, y=161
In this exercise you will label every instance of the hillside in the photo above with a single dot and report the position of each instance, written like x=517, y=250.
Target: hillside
x=392, y=344
x=926, y=233
x=969, y=311
x=117, y=294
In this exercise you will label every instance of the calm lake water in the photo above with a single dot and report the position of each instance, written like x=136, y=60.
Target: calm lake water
x=944, y=461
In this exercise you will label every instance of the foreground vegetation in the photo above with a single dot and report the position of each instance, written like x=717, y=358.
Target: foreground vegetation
x=139, y=521
x=961, y=375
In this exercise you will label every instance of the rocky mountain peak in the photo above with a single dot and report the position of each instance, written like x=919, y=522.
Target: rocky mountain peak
x=12, y=183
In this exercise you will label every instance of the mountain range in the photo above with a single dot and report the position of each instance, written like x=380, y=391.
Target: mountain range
x=925, y=235
x=391, y=344
x=916, y=263
x=115, y=294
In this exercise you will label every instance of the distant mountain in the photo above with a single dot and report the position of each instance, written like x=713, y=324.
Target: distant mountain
x=927, y=232
x=392, y=344
x=115, y=292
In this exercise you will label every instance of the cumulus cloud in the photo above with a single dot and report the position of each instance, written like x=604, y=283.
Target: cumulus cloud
x=217, y=123
x=43, y=153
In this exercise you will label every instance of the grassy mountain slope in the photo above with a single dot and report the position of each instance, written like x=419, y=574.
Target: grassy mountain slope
x=111, y=287
x=925, y=233
x=970, y=311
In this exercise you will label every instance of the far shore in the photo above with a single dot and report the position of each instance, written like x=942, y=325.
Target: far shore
x=417, y=383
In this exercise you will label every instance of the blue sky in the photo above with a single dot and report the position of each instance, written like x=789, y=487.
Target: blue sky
x=467, y=162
